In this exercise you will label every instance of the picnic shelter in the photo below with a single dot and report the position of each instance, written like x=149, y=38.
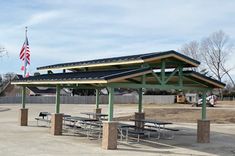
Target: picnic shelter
x=157, y=70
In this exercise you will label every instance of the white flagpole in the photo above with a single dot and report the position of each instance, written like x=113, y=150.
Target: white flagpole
x=25, y=49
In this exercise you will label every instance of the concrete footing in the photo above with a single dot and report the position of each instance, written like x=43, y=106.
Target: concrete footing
x=56, y=124
x=109, y=140
x=203, y=131
x=23, y=117
x=139, y=116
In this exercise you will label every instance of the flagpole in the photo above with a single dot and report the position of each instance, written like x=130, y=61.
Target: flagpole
x=25, y=49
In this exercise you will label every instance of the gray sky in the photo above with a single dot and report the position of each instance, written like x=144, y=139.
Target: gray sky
x=62, y=31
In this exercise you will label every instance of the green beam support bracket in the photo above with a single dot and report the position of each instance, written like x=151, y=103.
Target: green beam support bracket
x=57, y=99
x=97, y=99
x=140, y=101
x=203, y=105
x=23, y=96
x=172, y=74
x=156, y=77
x=110, y=105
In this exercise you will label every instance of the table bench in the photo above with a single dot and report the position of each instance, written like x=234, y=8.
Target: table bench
x=126, y=130
x=156, y=128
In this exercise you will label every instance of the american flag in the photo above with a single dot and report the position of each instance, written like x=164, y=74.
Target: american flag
x=25, y=52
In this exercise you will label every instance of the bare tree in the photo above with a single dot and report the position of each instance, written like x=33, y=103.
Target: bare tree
x=215, y=50
x=192, y=49
x=8, y=76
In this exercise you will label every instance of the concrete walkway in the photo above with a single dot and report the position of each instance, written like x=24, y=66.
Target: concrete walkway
x=36, y=141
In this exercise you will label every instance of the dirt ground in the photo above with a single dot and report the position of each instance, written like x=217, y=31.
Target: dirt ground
x=223, y=112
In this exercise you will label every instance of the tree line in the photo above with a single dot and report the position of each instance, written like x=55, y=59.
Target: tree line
x=214, y=53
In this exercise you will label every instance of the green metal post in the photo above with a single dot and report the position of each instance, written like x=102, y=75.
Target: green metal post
x=163, y=66
x=204, y=106
x=140, y=100
x=97, y=100
x=143, y=79
x=57, y=99
x=110, y=106
x=181, y=75
x=23, y=96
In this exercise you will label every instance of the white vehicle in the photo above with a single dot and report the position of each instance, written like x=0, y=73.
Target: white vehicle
x=210, y=101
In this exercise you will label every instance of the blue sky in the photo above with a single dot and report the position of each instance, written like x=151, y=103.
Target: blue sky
x=64, y=31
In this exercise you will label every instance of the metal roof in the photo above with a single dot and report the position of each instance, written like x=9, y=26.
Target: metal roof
x=82, y=76
x=106, y=76
x=125, y=60
x=204, y=79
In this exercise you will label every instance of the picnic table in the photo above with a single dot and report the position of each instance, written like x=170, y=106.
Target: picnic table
x=75, y=119
x=43, y=117
x=44, y=114
x=99, y=115
x=46, y=117
x=151, y=121
x=87, y=125
x=159, y=126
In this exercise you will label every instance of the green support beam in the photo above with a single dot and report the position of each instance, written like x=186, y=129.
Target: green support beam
x=23, y=96
x=204, y=105
x=143, y=79
x=140, y=100
x=163, y=67
x=133, y=80
x=181, y=75
x=97, y=99
x=110, y=105
x=57, y=99
x=164, y=87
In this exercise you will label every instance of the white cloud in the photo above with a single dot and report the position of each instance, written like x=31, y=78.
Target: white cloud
x=42, y=17
x=77, y=30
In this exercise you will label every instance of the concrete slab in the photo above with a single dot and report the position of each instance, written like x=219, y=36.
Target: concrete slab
x=37, y=141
